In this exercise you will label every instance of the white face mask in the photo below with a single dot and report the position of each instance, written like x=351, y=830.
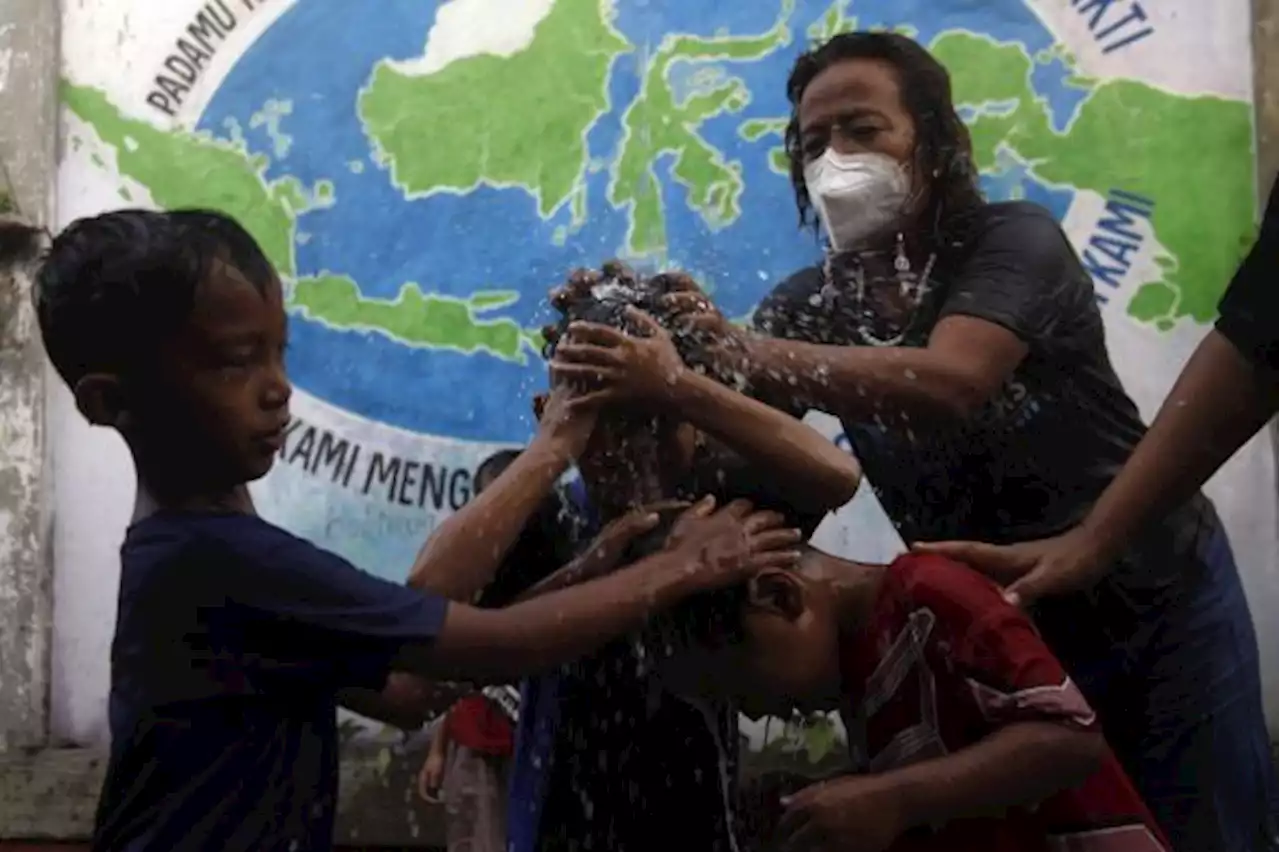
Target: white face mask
x=858, y=196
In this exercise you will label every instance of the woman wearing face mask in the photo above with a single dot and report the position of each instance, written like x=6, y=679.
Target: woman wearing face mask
x=960, y=344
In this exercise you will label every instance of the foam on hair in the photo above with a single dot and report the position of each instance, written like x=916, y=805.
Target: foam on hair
x=607, y=302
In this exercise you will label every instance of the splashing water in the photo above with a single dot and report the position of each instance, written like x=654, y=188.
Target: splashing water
x=722, y=764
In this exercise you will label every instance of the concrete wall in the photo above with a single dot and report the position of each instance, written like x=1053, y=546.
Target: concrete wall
x=28, y=140
x=50, y=749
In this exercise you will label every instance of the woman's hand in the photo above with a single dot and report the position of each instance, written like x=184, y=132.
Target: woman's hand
x=724, y=346
x=566, y=420
x=1031, y=570
x=858, y=813
x=732, y=544
x=621, y=367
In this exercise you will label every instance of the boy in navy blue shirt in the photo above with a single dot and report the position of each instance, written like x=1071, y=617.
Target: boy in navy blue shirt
x=235, y=641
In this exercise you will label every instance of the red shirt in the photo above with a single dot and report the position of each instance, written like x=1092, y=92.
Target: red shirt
x=944, y=661
x=480, y=725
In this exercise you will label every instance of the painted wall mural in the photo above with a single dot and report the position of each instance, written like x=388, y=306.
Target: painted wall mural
x=421, y=172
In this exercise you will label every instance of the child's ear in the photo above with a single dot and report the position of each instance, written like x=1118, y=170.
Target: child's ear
x=101, y=399
x=777, y=591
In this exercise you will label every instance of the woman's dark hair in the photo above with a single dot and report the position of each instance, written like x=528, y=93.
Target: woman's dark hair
x=944, y=153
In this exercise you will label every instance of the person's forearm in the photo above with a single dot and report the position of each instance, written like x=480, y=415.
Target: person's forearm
x=502, y=645
x=895, y=382
x=578, y=571
x=405, y=702
x=817, y=472
x=440, y=738
x=462, y=556
x=1017, y=766
x=1218, y=403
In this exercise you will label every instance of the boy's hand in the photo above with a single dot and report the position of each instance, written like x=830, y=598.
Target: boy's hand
x=566, y=420
x=641, y=369
x=431, y=777
x=733, y=543
x=608, y=548
x=857, y=812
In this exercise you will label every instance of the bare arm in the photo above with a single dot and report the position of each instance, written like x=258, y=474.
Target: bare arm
x=1219, y=402
x=578, y=571
x=406, y=702
x=815, y=473
x=1017, y=766
x=463, y=554
x=497, y=646
x=502, y=645
x=440, y=739
x=648, y=369
x=965, y=364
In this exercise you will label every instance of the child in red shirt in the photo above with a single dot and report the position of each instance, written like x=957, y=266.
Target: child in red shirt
x=967, y=732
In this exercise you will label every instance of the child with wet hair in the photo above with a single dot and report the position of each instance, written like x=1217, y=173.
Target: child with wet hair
x=236, y=641
x=967, y=734
x=606, y=758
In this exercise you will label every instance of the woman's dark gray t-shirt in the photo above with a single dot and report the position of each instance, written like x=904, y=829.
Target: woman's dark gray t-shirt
x=1033, y=460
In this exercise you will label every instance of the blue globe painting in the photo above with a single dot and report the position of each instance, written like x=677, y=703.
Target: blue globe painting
x=451, y=193
x=421, y=173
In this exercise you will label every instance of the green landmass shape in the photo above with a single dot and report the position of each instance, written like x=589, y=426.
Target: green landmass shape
x=514, y=121
x=1131, y=136
x=656, y=123
x=182, y=169
x=415, y=318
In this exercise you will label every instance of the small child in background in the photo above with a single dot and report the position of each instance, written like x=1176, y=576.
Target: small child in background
x=468, y=763
x=235, y=641
x=966, y=731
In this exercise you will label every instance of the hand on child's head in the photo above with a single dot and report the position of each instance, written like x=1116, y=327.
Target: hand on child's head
x=735, y=542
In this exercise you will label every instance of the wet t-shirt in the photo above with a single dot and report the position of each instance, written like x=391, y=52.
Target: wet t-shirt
x=942, y=662
x=1034, y=459
x=606, y=759
x=232, y=640
x=1247, y=313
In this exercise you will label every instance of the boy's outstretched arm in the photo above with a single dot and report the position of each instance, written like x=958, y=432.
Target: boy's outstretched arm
x=313, y=619
x=462, y=556
x=714, y=550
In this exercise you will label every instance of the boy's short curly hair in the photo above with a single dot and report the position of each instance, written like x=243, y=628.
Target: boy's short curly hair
x=606, y=303
x=111, y=288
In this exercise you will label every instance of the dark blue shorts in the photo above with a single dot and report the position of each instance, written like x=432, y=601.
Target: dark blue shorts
x=1180, y=698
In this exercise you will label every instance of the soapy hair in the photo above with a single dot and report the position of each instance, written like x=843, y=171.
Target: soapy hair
x=606, y=304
